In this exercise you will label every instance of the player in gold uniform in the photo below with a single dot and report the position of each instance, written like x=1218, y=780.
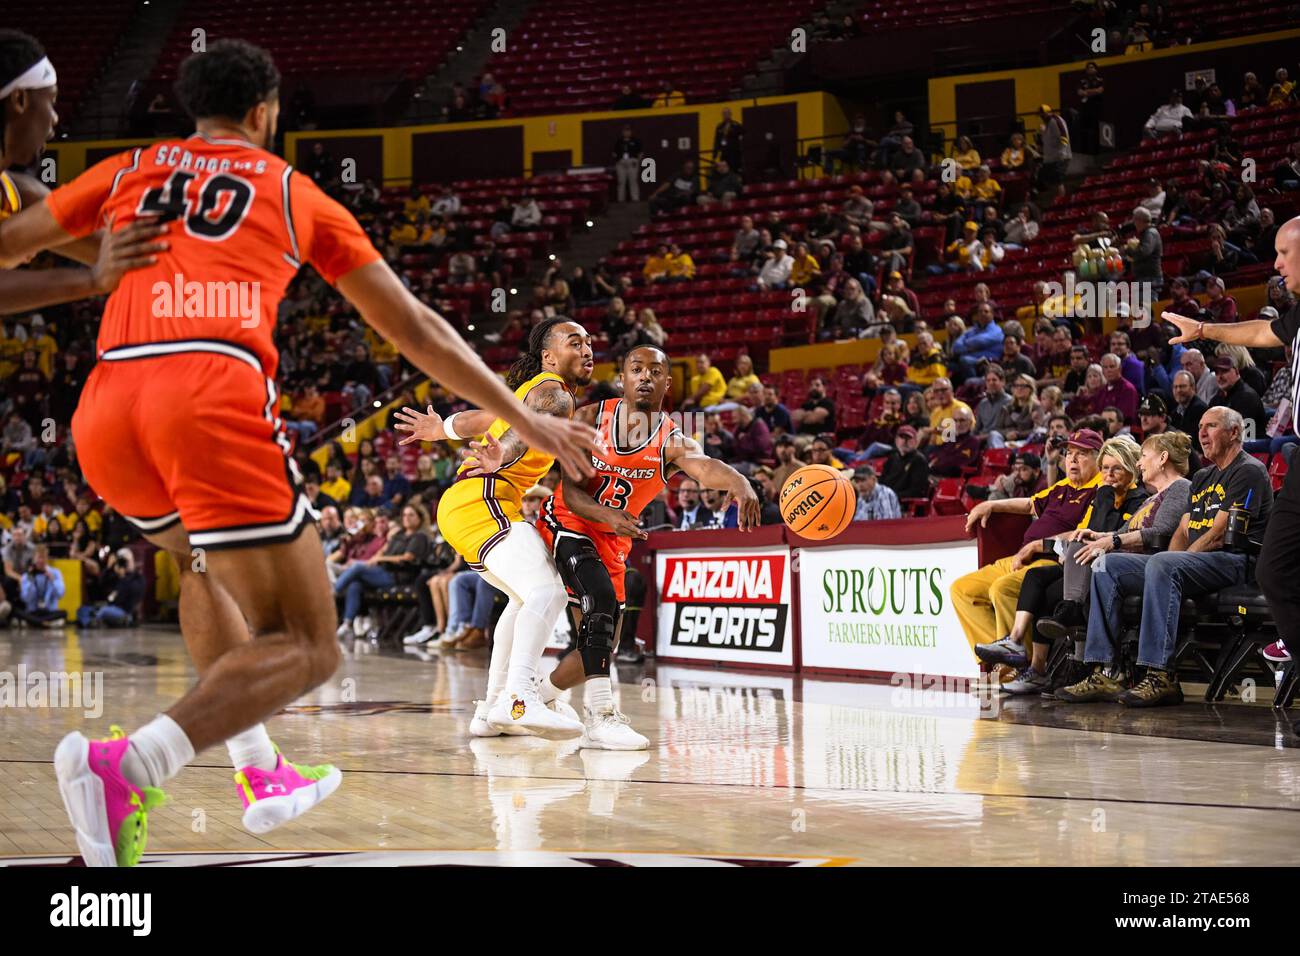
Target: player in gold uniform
x=481, y=517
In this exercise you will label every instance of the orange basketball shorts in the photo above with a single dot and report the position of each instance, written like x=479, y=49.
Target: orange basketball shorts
x=190, y=432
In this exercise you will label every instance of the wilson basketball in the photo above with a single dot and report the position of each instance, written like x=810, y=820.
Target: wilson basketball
x=818, y=502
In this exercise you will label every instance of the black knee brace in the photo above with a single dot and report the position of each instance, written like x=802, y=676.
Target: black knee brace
x=585, y=574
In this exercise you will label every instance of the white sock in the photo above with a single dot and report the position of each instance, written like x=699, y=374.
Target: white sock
x=252, y=748
x=547, y=690
x=600, y=695
x=503, y=639
x=536, y=622
x=157, y=753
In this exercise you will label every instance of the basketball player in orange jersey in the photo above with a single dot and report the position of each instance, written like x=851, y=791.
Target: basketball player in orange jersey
x=28, y=90
x=177, y=429
x=588, y=526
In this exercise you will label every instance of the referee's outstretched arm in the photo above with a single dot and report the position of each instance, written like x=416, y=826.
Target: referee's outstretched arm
x=1257, y=332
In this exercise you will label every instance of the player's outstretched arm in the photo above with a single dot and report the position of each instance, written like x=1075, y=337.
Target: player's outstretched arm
x=1257, y=332
x=687, y=455
x=437, y=349
x=430, y=426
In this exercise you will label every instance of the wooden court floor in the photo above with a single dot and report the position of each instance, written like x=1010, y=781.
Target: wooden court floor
x=742, y=769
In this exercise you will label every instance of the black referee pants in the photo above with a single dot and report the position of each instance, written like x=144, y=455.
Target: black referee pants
x=1279, y=562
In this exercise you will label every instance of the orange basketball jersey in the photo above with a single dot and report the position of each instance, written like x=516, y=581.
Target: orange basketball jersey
x=242, y=224
x=626, y=480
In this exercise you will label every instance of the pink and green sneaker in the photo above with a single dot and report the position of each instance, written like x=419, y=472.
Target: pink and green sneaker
x=283, y=794
x=108, y=812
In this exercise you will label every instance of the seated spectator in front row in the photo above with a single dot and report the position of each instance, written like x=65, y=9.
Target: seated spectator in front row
x=1118, y=497
x=876, y=501
x=985, y=600
x=126, y=591
x=1196, y=563
x=399, y=563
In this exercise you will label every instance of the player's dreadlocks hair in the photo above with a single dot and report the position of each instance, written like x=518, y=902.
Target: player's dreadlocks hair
x=530, y=363
x=19, y=52
x=227, y=81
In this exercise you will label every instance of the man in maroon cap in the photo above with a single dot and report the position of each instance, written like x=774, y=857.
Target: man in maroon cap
x=985, y=601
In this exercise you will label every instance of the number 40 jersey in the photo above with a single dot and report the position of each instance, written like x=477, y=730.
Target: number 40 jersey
x=243, y=222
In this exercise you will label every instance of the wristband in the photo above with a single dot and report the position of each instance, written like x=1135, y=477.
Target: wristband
x=448, y=429
x=1200, y=330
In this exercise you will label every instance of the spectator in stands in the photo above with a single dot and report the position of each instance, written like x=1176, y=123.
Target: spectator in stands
x=1054, y=138
x=1253, y=94
x=41, y=588
x=996, y=398
x=985, y=601
x=1144, y=252
x=1087, y=397
x=787, y=461
x=907, y=161
x=1240, y=397
x=776, y=269
x=988, y=253
x=965, y=154
x=1168, y=117
x=335, y=484
x=774, y=415
x=1220, y=306
x=399, y=563
x=1014, y=361
x=906, y=470
x=1025, y=480
x=985, y=191
x=1098, y=232
x=1130, y=364
x=656, y=264
x=1185, y=415
x=678, y=192
x=681, y=266
x=817, y=414
x=1022, y=230
x=960, y=451
x=628, y=99
x=981, y=343
x=1017, y=419
x=878, y=436
x=627, y=153
x=907, y=207
x=1114, y=423
x=1196, y=563
x=853, y=316
x=821, y=451
x=752, y=441
x=1116, y=389
x=876, y=501
x=526, y=214
x=668, y=96
x=124, y=586
x=1280, y=92
x=707, y=386
x=1017, y=154
x=745, y=244
x=742, y=379
x=943, y=411
x=716, y=440
x=1207, y=385
x=896, y=248
x=1092, y=93
x=724, y=185
x=853, y=153
x=728, y=141
x=899, y=305
x=804, y=267
x=1244, y=363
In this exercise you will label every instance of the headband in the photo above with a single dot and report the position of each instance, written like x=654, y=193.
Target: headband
x=37, y=77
